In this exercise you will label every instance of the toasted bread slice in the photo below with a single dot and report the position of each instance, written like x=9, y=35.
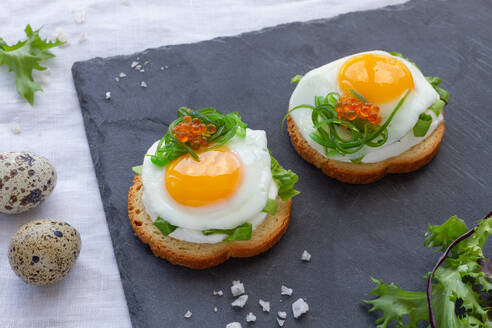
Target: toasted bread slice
x=363, y=173
x=202, y=256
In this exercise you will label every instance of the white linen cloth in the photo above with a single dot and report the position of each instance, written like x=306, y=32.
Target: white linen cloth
x=92, y=295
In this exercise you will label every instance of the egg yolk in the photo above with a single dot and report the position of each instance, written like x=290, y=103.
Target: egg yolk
x=378, y=78
x=197, y=183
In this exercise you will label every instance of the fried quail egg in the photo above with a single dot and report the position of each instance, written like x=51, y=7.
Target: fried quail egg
x=226, y=188
x=382, y=79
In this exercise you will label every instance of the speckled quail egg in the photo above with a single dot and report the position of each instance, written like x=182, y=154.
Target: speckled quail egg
x=26, y=179
x=44, y=251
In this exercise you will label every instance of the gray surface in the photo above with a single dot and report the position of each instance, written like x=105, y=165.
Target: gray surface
x=351, y=231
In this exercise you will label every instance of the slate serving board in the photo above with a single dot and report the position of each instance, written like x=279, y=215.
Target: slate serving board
x=352, y=232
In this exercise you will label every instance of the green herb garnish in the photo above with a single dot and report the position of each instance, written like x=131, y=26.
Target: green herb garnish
x=357, y=160
x=456, y=298
x=242, y=232
x=397, y=54
x=137, y=169
x=165, y=227
x=358, y=95
x=422, y=126
x=296, y=79
x=285, y=180
x=435, y=81
x=327, y=125
x=270, y=207
x=24, y=57
x=437, y=107
x=228, y=125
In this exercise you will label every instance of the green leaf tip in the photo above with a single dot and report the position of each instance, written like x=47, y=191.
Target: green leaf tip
x=24, y=57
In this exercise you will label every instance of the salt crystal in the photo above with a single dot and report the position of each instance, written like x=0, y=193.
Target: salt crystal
x=306, y=257
x=240, y=301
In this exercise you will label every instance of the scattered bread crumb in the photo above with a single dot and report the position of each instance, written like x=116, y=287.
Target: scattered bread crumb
x=299, y=307
x=79, y=17
x=143, y=84
x=280, y=322
x=284, y=290
x=265, y=305
x=282, y=315
x=250, y=317
x=16, y=129
x=240, y=301
x=188, y=314
x=234, y=325
x=108, y=95
x=237, y=288
x=306, y=257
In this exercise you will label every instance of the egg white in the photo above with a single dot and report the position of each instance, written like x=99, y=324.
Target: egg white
x=324, y=79
x=245, y=205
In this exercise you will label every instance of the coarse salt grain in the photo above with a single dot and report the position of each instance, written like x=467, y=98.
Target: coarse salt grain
x=108, y=95
x=306, y=257
x=188, y=314
x=265, y=305
x=234, y=325
x=82, y=37
x=16, y=129
x=61, y=35
x=134, y=63
x=282, y=315
x=237, y=288
x=218, y=293
x=250, y=317
x=79, y=17
x=122, y=75
x=143, y=84
x=284, y=290
x=299, y=307
x=240, y=301
x=280, y=322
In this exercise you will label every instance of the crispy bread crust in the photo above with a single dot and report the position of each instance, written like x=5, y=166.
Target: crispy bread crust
x=202, y=256
x=363, y=173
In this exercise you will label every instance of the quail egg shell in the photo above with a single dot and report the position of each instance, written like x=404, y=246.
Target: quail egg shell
x=44, y=251
x=26, y=179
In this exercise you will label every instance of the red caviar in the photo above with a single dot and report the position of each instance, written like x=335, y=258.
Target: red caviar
x=194, y=132
x=350, y=108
